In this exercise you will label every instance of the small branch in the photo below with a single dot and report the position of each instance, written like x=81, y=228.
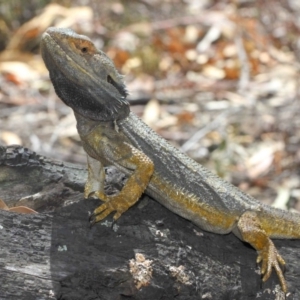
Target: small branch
x=216, y=123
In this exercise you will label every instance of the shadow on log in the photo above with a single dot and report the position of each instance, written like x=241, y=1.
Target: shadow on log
x=150, y=253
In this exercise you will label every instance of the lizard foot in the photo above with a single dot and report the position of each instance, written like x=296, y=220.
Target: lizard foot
x=270, y=258
x=252, y=232
x=112, y=203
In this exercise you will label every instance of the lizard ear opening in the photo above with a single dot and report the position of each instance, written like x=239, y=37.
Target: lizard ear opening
x=121, y=88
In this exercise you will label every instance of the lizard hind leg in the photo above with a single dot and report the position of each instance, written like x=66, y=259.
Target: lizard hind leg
x=252, y=232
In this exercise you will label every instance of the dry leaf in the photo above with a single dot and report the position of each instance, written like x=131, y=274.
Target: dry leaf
x=17, y=209
x=10, y=138
x=151, y=112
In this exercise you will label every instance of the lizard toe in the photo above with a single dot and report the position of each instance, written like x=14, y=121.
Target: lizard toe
x=101, y=216
x=112, y=204
x=270, y=259
x=101, y=196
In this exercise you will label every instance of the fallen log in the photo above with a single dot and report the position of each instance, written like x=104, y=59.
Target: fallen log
x=150, y=253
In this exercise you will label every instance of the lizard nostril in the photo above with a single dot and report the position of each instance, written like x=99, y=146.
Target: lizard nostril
x=109, y=80
x=84, y=50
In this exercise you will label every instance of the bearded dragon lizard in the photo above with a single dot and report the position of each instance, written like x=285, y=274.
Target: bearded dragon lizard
x=86, y=80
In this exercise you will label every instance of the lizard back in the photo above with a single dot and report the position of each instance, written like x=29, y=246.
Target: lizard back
x=176, y=171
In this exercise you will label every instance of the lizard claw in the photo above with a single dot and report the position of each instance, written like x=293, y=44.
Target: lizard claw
x=114, y=203
x=92, y=220
x=270, y=258
x=99, y=214
x=94, y=217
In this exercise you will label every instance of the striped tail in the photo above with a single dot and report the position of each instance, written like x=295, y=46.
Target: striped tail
x=279, y=223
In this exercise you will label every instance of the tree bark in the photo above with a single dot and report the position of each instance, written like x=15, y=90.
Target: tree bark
x=150, y=253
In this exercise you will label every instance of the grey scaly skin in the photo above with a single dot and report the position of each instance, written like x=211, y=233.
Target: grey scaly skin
x=86, y=80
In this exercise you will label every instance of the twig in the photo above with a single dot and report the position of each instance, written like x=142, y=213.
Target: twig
x=207, y=128
x=245, y=69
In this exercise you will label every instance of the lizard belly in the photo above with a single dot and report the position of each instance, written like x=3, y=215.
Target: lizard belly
x=191, y=206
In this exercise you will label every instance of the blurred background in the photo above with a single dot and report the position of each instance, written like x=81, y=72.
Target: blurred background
x=218, y=79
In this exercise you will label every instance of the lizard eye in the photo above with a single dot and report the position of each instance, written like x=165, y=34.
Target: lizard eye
x=84, y=50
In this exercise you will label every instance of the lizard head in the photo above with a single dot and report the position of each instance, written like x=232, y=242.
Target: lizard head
x=84, y=77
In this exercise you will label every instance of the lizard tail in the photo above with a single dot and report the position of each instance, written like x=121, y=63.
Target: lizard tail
x=279, y=223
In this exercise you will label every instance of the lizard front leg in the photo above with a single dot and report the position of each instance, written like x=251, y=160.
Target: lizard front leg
x=253, y=233
x=125, y=156
x=96, y=176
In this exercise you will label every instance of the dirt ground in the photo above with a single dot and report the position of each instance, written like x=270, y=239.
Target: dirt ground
x=219, y=79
